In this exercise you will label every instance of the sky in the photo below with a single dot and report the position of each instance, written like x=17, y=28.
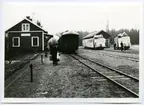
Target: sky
x=59, y=17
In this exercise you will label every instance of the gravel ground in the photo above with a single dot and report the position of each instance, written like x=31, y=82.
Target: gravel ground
x=133, y=50
x=130, y=51
x=124, y=65
x=121, y=54
x=135, y=47
x=66, y=80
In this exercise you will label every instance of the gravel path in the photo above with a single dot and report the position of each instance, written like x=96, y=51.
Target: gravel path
x=66, y=80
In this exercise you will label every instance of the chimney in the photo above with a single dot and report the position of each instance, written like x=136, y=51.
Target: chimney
x=38, y=23
x=28, y=17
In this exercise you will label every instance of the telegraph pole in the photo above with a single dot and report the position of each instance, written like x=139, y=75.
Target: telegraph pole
x=107, y=26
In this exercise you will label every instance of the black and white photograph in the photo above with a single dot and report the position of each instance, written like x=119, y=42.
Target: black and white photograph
x=71, y=50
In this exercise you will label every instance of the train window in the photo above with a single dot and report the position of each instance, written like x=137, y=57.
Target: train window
x=25, y=27
x=35, y=41
x=16, y=42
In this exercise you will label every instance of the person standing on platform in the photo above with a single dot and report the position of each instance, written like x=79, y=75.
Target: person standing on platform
x=121, y=46
x=53, y=50
x=54, y=54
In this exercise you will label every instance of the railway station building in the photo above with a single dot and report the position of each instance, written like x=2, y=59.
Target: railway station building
x=27, y=36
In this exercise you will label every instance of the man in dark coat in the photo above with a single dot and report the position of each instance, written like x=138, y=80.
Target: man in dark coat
x=121, y=46
x=53, y=50
x=54, y=54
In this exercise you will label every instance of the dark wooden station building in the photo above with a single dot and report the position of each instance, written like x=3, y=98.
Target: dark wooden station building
x=27, y=36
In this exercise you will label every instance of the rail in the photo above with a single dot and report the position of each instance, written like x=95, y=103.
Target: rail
x=117, y=83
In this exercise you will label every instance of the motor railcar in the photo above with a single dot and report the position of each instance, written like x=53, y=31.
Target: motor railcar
x=68, y=42
x=94, y=41
x=122, y=38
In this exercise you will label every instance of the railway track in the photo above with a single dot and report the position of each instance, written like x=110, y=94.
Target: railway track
x=11, y=81
x=20, y=71
x=124, y=81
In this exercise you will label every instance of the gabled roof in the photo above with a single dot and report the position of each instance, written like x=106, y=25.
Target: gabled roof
x=29, y=22
x=105, y=34
x=124, y=34
x=98, y=36
x=91, y=35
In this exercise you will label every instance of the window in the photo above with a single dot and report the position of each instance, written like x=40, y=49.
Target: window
x=25, y=27
x=16, y=41
x=35, y=41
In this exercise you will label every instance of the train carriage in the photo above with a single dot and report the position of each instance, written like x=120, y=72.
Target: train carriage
x=68, y=42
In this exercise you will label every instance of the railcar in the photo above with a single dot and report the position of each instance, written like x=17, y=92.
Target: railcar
x=122, y=38
x=94, y=41
x=68, y=42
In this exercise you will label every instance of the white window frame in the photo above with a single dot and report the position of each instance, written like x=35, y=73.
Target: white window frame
x=25, y=28
x=18, y=42
x=37, y=41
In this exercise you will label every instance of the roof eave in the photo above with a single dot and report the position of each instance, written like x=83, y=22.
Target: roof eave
x=30, y=22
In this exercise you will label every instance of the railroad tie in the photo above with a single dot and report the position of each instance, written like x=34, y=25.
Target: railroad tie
x=118, y=77
x=98, y=79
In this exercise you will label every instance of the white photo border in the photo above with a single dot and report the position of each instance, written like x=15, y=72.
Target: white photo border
x=74, y=100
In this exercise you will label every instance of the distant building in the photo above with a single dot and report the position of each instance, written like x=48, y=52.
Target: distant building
x=27, y=36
